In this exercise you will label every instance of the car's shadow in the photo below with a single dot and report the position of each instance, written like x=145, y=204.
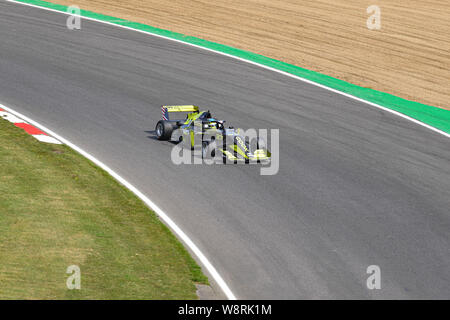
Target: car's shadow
x=152, y=136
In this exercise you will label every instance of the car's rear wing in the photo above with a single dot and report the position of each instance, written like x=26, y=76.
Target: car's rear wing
x=166, y=109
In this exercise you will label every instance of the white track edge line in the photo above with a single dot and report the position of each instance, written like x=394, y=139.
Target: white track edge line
x=253, y=63
x=213, y=272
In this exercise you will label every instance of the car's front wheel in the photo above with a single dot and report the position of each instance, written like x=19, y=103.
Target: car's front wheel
x=205, y=150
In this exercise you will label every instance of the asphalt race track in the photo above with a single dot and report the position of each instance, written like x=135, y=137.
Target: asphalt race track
x=356, y=186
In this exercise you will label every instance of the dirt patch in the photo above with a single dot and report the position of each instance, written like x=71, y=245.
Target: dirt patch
x=409, y=57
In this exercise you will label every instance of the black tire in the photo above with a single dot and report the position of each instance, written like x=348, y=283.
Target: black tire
x=207, y=153
x=205, y=150
x=164, y=130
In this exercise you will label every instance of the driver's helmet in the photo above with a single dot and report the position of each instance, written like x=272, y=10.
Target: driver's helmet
x=209, y=123
x=212, y=123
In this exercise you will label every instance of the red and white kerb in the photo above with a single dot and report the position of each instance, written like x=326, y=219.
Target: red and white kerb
x=30, y=129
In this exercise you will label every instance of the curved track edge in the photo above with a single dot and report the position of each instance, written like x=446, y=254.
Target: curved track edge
x=167, y=220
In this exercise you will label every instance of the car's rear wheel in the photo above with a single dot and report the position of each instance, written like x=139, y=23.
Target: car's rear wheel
x=164, y=130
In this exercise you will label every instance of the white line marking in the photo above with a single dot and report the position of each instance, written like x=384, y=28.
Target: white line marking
x=216, y=276
x=253, y=63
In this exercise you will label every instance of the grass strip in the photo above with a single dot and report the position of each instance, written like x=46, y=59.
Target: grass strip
x=58, y=209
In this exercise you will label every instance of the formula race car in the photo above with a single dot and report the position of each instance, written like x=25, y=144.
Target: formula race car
x=200, y=128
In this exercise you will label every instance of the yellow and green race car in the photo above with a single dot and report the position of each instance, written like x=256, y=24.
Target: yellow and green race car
x=200, y=128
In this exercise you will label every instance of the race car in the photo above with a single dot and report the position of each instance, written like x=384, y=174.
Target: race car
x=200, y=128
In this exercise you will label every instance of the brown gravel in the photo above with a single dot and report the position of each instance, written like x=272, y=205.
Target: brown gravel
x=408, y=57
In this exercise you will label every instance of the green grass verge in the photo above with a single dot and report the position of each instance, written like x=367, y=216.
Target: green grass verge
x=59, y=209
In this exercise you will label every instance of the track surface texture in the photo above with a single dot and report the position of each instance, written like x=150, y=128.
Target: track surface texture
x=357, y=186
